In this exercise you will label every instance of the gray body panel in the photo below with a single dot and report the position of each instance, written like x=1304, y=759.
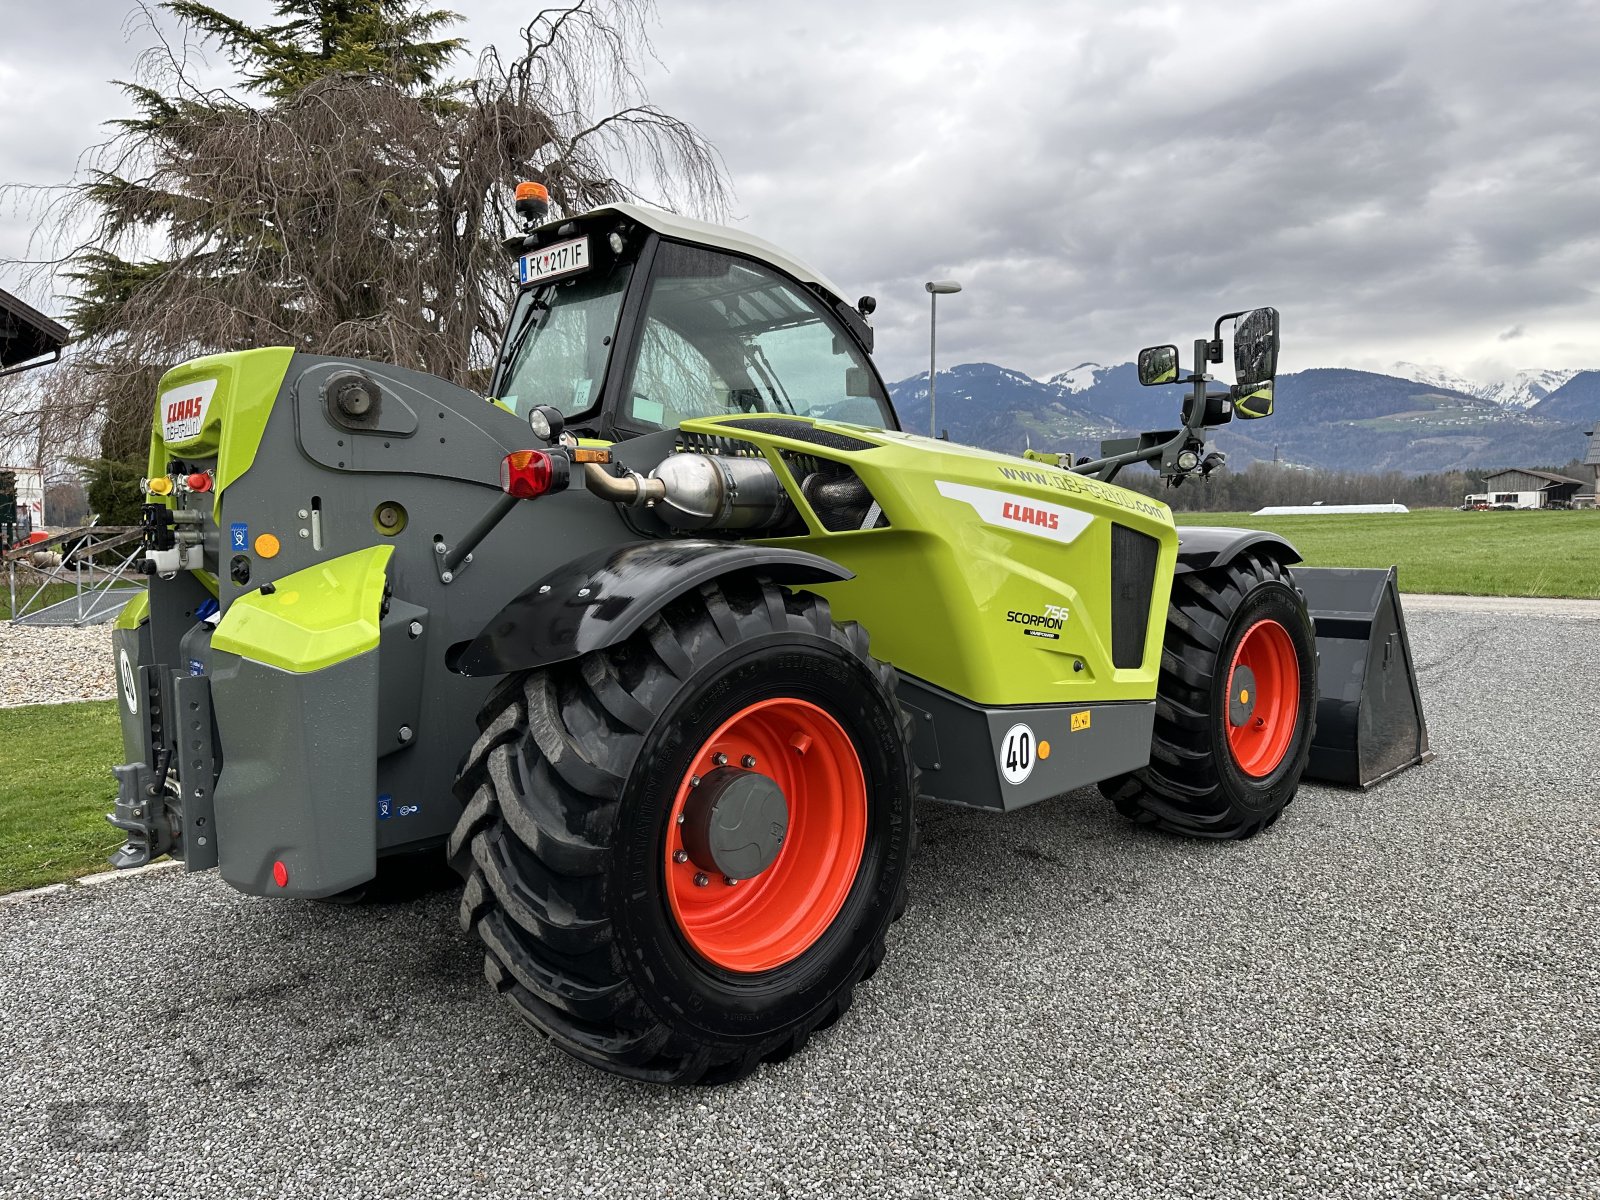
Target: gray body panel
x=446, y=478
x=298, y=783
x=958, y=746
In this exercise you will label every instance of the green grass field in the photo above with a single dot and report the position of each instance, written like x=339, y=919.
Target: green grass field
x=1441, y=550
x=55, y=789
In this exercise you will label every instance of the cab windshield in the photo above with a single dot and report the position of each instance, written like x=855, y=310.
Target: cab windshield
x=559, y=341
x=724, y=335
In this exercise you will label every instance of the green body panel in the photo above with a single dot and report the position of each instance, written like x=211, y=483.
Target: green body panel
x=940, y=589
x=312, y=618
x=247, y=384
x=133, y=612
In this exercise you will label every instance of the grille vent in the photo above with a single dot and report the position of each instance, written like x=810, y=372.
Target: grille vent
x=1133, y=579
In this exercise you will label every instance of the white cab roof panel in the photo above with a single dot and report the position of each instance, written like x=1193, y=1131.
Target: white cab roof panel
x=721, y=236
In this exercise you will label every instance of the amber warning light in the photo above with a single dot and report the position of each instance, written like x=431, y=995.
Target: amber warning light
x=533, y=201
x=527, y=474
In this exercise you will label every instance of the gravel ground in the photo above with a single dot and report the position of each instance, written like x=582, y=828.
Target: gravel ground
x=1389, y=994
x=55, y=664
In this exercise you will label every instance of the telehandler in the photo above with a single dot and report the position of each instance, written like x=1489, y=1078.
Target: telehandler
x=603, y=638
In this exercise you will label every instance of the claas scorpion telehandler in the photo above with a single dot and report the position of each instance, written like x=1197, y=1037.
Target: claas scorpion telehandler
x=660, y=644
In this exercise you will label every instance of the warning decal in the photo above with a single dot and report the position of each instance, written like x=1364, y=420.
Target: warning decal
x=183, y=410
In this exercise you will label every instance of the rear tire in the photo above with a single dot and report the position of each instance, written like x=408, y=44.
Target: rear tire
x=567, y=837
x=1209, y=777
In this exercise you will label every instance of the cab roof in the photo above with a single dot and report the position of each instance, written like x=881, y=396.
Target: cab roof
x=723, y=237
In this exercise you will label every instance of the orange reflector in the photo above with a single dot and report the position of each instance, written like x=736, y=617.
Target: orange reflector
x=1044, y=749
x=527, y=474
x=597, y=454
x=267, y=546
x=280, y=874
x=528, y=190
x=199, y=482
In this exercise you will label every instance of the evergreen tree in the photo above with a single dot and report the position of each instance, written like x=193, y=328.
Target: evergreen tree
x=347, y=196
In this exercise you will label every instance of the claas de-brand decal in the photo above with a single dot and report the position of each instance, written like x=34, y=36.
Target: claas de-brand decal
x=1040, y=625
x=183, y=410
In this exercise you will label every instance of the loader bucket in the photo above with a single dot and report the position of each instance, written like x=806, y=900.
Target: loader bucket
x=1369, y=711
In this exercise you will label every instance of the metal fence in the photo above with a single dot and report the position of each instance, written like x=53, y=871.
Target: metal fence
x=95, y=561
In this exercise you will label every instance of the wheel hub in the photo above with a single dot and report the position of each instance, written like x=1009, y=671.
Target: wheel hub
x=734, y=822
x=1242, y=697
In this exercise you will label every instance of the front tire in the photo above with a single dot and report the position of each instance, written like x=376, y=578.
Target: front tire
x=1222, y=766
x=603, y=919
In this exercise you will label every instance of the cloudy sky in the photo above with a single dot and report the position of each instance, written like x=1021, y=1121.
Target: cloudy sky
x=1404, y=180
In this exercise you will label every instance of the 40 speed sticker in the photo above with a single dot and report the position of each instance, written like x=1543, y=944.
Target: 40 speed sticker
x=1018, y=750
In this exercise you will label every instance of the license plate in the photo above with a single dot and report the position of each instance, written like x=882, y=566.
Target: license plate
x=564, y=258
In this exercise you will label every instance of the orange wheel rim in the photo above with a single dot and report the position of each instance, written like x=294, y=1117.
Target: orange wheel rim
x=1272, y=710
x=762, y=922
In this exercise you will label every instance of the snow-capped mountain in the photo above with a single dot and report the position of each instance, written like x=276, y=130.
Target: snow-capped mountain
x=1523, y=389
x=1080, y=379
x=1439, y=377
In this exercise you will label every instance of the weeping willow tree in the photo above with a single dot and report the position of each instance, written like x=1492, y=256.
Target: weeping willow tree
x=346, y=194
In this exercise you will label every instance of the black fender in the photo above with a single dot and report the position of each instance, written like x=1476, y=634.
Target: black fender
x=601, y=598
x=1204, y=546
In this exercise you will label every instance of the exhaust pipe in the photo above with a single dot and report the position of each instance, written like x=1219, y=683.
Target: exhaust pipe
x=700, y=491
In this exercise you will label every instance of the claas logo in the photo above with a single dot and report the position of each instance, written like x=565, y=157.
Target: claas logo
x=1030, y=516
x=183, y=410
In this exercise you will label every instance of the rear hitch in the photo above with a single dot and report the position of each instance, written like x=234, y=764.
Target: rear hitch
x=143, y=813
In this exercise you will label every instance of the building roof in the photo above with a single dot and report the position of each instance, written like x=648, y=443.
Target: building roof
x=26, y=333
x=1592, y=459
x=1550, y=476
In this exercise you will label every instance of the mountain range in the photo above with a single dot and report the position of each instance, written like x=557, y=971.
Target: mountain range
x=1326, y=417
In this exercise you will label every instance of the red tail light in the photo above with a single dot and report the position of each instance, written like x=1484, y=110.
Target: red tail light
x=529, y=473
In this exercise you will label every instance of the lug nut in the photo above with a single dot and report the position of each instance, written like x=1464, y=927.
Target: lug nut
x=680, y=856
x=694, y=781
x=701, y=879
x=720, y=759
x=748, y=761
x=729, y=880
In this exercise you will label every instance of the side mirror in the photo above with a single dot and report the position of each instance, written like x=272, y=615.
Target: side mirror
x=1255, y=347
x=1158, y=364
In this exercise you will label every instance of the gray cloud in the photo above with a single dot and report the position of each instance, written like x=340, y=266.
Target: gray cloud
x=1403, y=179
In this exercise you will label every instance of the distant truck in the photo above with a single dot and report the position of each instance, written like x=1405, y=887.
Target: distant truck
x=22, y=499
x=1505, y=500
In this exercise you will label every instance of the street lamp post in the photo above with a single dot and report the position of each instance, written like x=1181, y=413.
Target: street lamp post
x=936, y=288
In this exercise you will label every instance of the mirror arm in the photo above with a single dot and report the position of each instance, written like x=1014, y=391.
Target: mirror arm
x=1216, y=330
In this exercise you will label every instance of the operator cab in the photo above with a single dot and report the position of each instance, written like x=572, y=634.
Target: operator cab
x=631, y=321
